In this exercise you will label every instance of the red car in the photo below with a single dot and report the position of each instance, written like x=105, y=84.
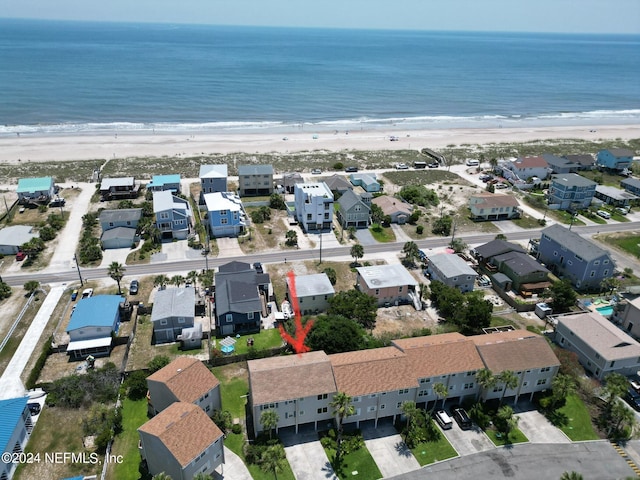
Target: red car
x=20, y=256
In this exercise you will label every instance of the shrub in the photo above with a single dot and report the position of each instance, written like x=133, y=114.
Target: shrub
x=338, y=166
x=419, y=229
x=237, y=429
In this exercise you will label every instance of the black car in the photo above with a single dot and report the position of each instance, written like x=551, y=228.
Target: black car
x=633, y=398
x=34, y=408
x=461, y=417
x=133, y=287
x=258, y=267
x=351, y=169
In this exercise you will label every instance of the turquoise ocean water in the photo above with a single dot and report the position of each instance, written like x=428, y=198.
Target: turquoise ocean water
x=68, y=77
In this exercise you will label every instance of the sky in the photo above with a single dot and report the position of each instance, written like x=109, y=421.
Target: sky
x=564, y=16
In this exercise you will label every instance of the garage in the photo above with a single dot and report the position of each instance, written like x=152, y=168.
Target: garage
x=119, y=237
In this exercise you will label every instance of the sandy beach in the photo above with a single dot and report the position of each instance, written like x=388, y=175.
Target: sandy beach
x=84, y=147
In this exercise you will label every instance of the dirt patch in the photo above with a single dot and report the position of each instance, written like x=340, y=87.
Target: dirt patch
x=402, y=320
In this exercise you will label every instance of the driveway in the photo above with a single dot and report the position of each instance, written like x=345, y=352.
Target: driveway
x=364, y=237
x=536, y=427
x=307, y=457
x=174, y=251
x=466, y=442
x=388, y=450
x=228, y=247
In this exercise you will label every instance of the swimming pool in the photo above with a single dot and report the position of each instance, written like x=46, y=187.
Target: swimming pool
x=606, y=311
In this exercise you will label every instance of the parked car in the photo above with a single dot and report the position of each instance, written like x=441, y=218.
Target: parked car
x=485, y=177
x=433, y=165
x=74, y=294
x=20, y=256
x=472, y=163
x=316, y=171
x=351, y=169
x=87, y=292
x=402, y=166
x=34, y=408
x=604, y=214
x=133, y=287
x=258, y=267
x=633, y=398
x=622, y=210
x=57, y=202
x=444, y=420
x=500, y=186
x=461, y=417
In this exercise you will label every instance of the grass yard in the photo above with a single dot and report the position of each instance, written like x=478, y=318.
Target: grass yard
x=264, y=340
x=424, y=177
x=526, y=222
x=628, y=242
x=574, y=420
x=430, y=452
x=499, y=440
x=382, y=234
x=234, y=386
x=359, y=461
x=134, y=414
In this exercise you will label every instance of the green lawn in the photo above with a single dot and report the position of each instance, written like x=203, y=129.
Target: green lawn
x=574, y=420
x=628, y=243
x=359, y=461
x=261, y=341
x=430, y=452
x=233, y=392
x=134, y=414
x=382, y=234
x=515, y=436
x=526, y=222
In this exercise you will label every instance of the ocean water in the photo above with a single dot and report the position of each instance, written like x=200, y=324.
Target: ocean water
x=68, y=77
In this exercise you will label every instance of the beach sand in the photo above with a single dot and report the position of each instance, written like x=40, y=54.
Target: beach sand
x=43, y=148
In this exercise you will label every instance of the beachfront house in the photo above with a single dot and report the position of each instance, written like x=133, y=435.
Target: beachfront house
x=561, y=164
x=255, y=180
x=493, y=206
x=173, y=310
x=602, y=347
x=314, y=206
x=119, y=227
x=213, y=179
x=570, y=191
x=617, y=159
x=367, y=181
x=290, y=180
x=241, y=295
x=388, y=284
x=616, y=197
x=484, y=253
x=584, y=161
x=35, y=190
x=181, y=441
x=118, y=188
x=525, y=168
x=452, y=270
x=185, y=379
x=173, y=215
x=164, y=183
x=93, y=324
x=631, y=185
x=312, y=292
x=568, y=255
x=354, y=210
x=398, y=210
x=225, y=214
x=13, y=237
x=14, y=434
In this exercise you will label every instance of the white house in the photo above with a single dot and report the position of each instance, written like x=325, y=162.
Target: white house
x=312, y=292
x=314, y=206
x=226, y=216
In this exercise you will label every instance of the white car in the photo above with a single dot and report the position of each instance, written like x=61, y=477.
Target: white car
x=604, y=214
x=472, y=163
x=87, y=292
x=401, y=166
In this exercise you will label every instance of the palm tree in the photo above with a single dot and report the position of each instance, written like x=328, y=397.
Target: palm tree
x=116, y=272
x=177, y=280
x=160, y=281
x=411, y=252
x=273, y=459
x=269, y=420
x=505, y=420
x=192, y=276
x=562, y=386
x=486, y=380
x=571, y=476
x=161, y=476
x=441, y=392
x=342, y=408
x=357, y=252
x=509, y=380
x=620, y=415
x=410, y=411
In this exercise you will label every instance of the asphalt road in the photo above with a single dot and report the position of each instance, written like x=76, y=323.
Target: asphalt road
x=296, y=255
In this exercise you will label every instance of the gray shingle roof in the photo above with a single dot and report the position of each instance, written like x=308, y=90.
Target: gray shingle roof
x=255, y=170
x=632, y=182
x=451, y=265
x=121, y=215
x=520, y=263
x=16, y=235
x=620, y=152
x=174, y=302
x=497, y=247
x=574, y=242
x=119, y=232
x=237, y=288
x=573, y=180
x=349, y=199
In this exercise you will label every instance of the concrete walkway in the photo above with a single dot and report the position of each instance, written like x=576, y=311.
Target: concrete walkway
x=307, y=458
x=10, y=383
x=233, y=468
x=389, y=451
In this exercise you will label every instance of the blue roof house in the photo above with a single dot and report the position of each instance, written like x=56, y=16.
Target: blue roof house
x=92, y=324
x=173, y=215
x=615, y=158
x=15, y=428
x=39, y=189
x=368, y=181
x=160, y=183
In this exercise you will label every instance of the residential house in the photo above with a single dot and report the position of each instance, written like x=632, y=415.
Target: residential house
x=238, y=298
x=354, y=210
x=164, y=183
x=389, y=284
x=226, y=215
x=629, y=317
x=338, y=184
x=367, y=181
x=299, y=388
x=584, y=161
x=484, y=253
x=39, y=190
x=119, y=188
x=119, y=227
x=93, y=324
x=314, y=206
x=14, y=433
x=213, y=179
x=527, y=276
x=186, y=379
x=452, y=270
x=614, y=159
x=181, y=441
x=525, y=168
x=602, y=347
x=616, y=196
x=173, y=215
x=575, y=258
x=312, y=292
x=631, y=185
x=493, y=206
x=561, y=164
x=13, y=237
x=290, y=180
x=173, y=310
x=570, y=191
x=398, y=210
x=255, y=180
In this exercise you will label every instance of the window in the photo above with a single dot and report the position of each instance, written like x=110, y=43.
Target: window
x=180, y=319
x=355, y=399
x=545, y=369
x=404, y=391
x=423, y=393
x=383, y=406
x=542, y=381
x=322, y=396
x=111, y=224
x=468, y=386
x=399, y=289
x=373, y=395
x=605, y=273
x=223, y=212
x=250, y=315
x=229, y=317
x=399, y=405
x=597, y=355
x=372, y=408
x=597, y=262
x=425, y=380
x=452, y=387
x=613, y=362
x=224, y=221
x=308, y=216
x=605, y=262
x=162, y=322
x=164, y=215
x=593, y=273
x=301, y=413
x=322, y=410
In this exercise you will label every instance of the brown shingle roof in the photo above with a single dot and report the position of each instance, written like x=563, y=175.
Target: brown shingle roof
x=184, y=429
x=187, y=378
x=289, y=377
x=372, y=371
x=530, y=162
x=495, y=200
x=390, y=205
x=516, y=350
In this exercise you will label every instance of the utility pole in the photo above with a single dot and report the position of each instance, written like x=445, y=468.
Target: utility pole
x=75, y=257
x=320, y=229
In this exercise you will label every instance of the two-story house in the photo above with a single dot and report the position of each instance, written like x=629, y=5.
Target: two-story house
x=629, y=316
x=165, y=183
x=173, y=310
x=354, y=210
x=40, y=190
x=568, y=255
x=173, y=215
x=584, y=161
x=226, y=216
x=484, y=253
x=213, y=178
x=185, y=379
x=527, y=276
x=493, y=206
x=525, y=168
x=92, y=326
x=312, y=292
x=388, y=284
x=119, y=227
x=452, y=270
x=119, y=188
x=398, y=210
x=561, y=164
x=614, y=159
x=571, y=191
x=631, y=185
x=239, y=299
x=314, y=206
x=16, y=429
x=181, y=441
x=255, y=180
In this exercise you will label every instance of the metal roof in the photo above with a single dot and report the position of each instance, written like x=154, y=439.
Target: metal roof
x=451, y=265
x=121, y=215
x=382, y=276
x=97, y=311
x=213, y=171
x=30, y=185
x=11, y=411
x=573, y=180
x=255, y=170
x=107, y=183
x=16, y=235
x=309, y=285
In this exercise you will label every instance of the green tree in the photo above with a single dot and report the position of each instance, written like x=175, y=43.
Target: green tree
x=615, y=385
x=273, y=459
x=356, y=305
x=335, y=334
x=160, y=281
x=448, y=300
x=500, y=236
x=269, y=420
x=419, y=195
x=342, y=408
x=607, y=284
x=506, y=421
x=277, y=202
x=193, y=277
x=621, y=420
x=441, y=391
x=158, y=362
x=487, y=381
x=161, y=476
x=411, y=253
x=563, y=296
x=562, y=386
x=475, y=315
x=352, y=232
x=377, y=215
x=31, y=286
x=177, y=280
x=442, y=226
x=415, y=421
x=509, y=380
x=331, y=275
x=33, y=247
x=292, y=238
x=571, y=476
x=116, y=272
x=136, y=385
x=47, y=233
x=357, y=252
x=5, y=291
x=458, y=245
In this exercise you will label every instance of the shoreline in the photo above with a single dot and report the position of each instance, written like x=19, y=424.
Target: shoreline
x=91, y=146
